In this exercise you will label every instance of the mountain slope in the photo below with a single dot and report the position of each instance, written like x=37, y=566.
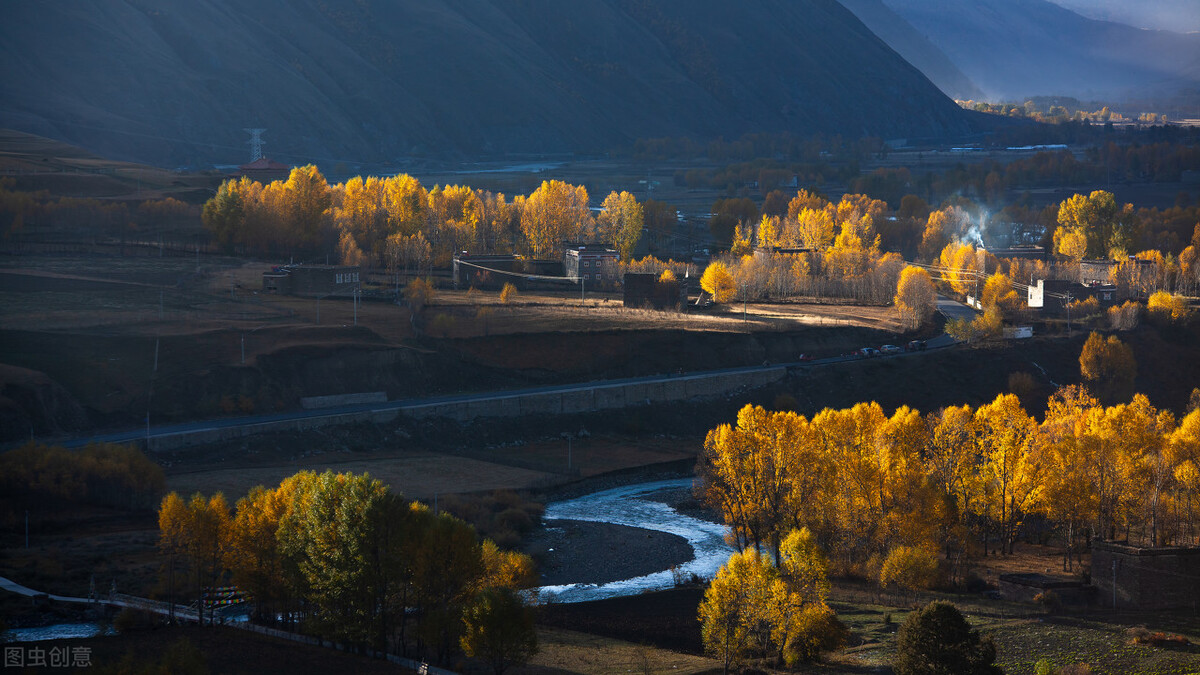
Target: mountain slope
x=1014, y=49
x=914, y=47
x=174, y=81
x=1180, y=16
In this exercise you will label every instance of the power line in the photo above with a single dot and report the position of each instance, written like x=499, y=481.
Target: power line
x=519, y=275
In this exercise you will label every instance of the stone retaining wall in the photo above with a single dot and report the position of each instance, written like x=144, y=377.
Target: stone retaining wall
x=588, y=398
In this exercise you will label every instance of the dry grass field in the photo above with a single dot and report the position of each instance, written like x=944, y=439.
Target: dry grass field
x=148, y=295
x=420, y=474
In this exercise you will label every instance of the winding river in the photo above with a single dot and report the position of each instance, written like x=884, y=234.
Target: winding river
x=632, y=506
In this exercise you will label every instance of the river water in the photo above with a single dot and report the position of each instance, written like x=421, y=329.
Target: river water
x=58, y=631
x=632, y=506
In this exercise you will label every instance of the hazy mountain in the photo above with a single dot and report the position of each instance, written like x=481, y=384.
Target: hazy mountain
x=175, y=81
x=914, y=47
x=1014, y=49
x=1180, y=16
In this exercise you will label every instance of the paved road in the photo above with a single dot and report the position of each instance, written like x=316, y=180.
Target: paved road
x=953, y=309
x=948, y=307
x=143, y=433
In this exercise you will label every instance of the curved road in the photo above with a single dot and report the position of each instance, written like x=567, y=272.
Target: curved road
x=949, y=308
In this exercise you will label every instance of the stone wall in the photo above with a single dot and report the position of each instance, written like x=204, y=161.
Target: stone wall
x=1146, y=578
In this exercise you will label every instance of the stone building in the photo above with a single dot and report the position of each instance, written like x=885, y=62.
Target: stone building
x=312, y=280
x=647, y=291
x=596, y=264
x=1129, y=577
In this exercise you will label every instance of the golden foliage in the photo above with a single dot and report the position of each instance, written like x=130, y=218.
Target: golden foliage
x=509, y=294
x=916, y=298
x=1108, y=366
x=1167, y=308
x=620, y=223
x=911, y=568
x=555, y=213
x=718, y=282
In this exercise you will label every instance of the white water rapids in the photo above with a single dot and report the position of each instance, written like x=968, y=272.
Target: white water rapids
x=630, y=506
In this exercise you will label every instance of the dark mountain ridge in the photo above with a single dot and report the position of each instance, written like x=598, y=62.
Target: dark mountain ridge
x=915, y=48
x=172, y=82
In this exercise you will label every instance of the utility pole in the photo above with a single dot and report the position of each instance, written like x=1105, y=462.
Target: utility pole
x=1114, y=583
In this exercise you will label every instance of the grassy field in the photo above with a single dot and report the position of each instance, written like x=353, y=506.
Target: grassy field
x=1023, y=632
x=564, y=651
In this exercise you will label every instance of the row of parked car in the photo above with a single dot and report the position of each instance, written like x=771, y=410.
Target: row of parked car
x=871, y=352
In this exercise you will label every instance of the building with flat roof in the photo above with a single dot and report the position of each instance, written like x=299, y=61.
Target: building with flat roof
x=648, y=291
x=263, y=170
x=596, y=264
x=1051, y=296
x=312, y=280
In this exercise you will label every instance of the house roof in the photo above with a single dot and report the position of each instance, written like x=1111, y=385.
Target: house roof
x=264, y=164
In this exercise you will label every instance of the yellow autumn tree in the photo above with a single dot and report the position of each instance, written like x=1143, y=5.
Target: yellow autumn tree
x=196, y=531
x=407, y=204
x=620, y=223
x=916, y=298
x=815, y=228
x=1108, y=367
x=805, y=199
x=1008, y=472
x=253, y=552
x=555, y=213
x=360, y=211
x=998, y=292
x=1097, y=219
x=769, y=231
x=1166, y=308
x=942, y=227
x=960, y=266
x=1068, y=495
x=718, y=282
x=1070, y=243
x=753, y=609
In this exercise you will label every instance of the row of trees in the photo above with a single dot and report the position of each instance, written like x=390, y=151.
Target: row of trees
x=835, y=252
x=991, y=181
x=342, y=557
x=48, y=478
x=372, y=220
x=23, y=213
x=1061, y=111
x=874, y=488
